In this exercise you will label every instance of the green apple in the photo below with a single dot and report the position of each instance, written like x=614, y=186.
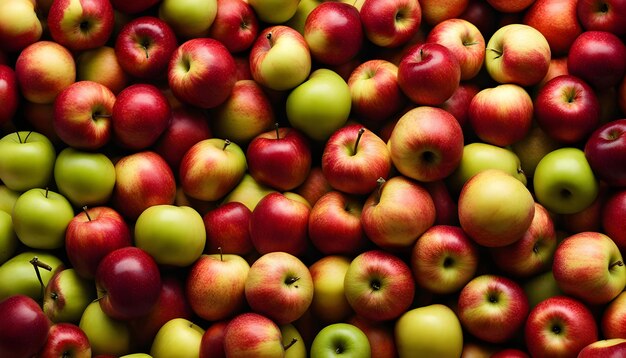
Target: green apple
x=564, y=182
x=274, y=11
x=40, y=217
x=172, y=235
x=84, y=178
x=8, y=239
x=320, y=105
x=540, y=287
x=248, y=192
x=67, y=295
x=341, y=340
x=429, y=331
x=8, y=198
x=293, y=342
x=479, y=156
x=106, y=335
x=18, y=276
x=303, y=10
x=189, y=18
x=26, y=160
x=178, y=337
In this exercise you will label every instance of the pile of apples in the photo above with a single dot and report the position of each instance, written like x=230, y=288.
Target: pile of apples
x=293, y=178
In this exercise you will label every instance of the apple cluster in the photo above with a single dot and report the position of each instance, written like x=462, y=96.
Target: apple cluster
x=310, y=178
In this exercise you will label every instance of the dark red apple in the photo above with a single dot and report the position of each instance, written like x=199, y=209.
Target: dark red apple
x=66, y=340
x=605, y=151
x=599, y=58
x=227, y=229
x=24, y=329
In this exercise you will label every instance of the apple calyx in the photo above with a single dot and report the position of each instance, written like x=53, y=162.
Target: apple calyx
x=97, y=115
x=19, y=138
x=226, y=144
x=37, y=265
x=375, y=284
x=358, y=139
x=616, y=263
x=86, y=212
x=291, y=280
x=290, y=344
x=270, y=39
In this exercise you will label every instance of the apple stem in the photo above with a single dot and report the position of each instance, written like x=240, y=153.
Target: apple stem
x=37, y=265
x=226, y=144
x=617, y=263
x=277, y=132
x=293, y=341
x=381, y=182
x=219, y=249
x=358, y=139
x=269, y=39
x=496, y=51
x=86, y=213
x=19, y=138
x=145, y=48
x=46, y=192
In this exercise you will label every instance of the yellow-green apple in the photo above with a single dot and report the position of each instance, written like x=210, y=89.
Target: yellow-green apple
x=379, y=285
x=26, y=160
x=320, y=105
x=429, y=73
x=133, y=7
x=533, y=253
x=253, y=335
x=380, y=336
x=598, y=58
x=559, y=326
x=434, y=12
x=426, y=144
x=303, y=10
x=440, y=335
x=397, y=213
x=215, y=286
x=354, y=158
x=140, y=114
x=102, y=65
x=106, y=335
x=26, y=327
x=227, y=229
x=9, y=94
x=7, y=198
x=128, y=282
x=280, y=58
x=187, y=126
x=8, y=239
x=248, y=192
x=40, y=218
x=492, y=308
x=19, y=25
x=201, y=72
x=567, y=109
x=91, y=235
x=444, y=259
x=531, y=149
x=279, y=286
x=604, y=348
x=613, y=212
x=66, y=339
x=334, y=33
x=458, y=104
x=67, y=295
x=274, y=11
x=295, y=346
x=329, y=300
x=340, y=339
x=564, y=182
x=501, y=115
x=142, y=179
x=510, y=6
x=376, y=95
x=390, y=23
x=589, y=266
x=189, y=19
x=557, y=21
x=246, y=113
x=314, y=186
x=211, y=168
x=179, y=337
x=334, y=226
x=611, y=320
x=464, y=40
x=144, y=46
x=235, y=25
x=495, y=209
x=43, y=70
x=519, y=54
x=82, y=115
x=602, y=150
x=18, y=276
x=80, y=24
x=279, y=158
x=172, y=235
x=212, y=343
x=540, y=287
x=605, y=15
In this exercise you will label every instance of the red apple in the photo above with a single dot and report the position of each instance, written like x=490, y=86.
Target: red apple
x=25, y=328
x=227, y=229
x=251, y=334
x=557, y=21
x=435, y=11
x=66, y=340
x=598, y=58
x=459, y=103
x=602, y=15
x=615, y=347
x=9, y=94
x=604, y=152
x=446, y=209
x=613, y=317
x=236, y=25
x=613, y=216
x=380, y=336
x=212, y=343
x=390, y=23
x=133, y=7
x=80, y=25
x=314, y=187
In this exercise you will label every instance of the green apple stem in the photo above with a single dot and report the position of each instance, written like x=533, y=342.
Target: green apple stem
x=86, y=212
x=617, y=263
x=226, y=144
x=358, y=139
x=37, y=265
x=293, y=341
x=277, y=132
x=498, y=52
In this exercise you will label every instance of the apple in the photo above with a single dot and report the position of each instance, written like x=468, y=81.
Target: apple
x=106, y=335
x=239, y=15
x=26, y=329
x=278, y=286
x=606, y=15
x=248, y=192
x=8, y=239
x=9, y=94
x=492, y=308
x=501, y=115
x=274, y=11
x=253, y=335
x=188, y=19
x=446, y=208
x=16, y=34
x=380, y=336
x=518, y=54
x=429, y=73
x=390, y=23
x=509, y=353
x=531, y=149
x=26, y=160
x=559, y=326
x=557, y=21
x=426, y=144
x=604, y=348
x=510, y=6
x=540, y=287
x=43, y=70
x=178, y=337
x=603, y=147
x=67, y=295
x=172, y=235
x=458, y=104
x=80, y=25
x=440, y=332
x=8, y=198
x=134, y=7
x=598, y=58
x=212, y=343
x=201, y=71
x=82, y=115
x=340, y=339
x=144, y=46
x=329, y=300
x=564, y=183
x=18, y=275
x=101, y=65
x=611, y=221
x=444, y=259
x=295, y=346
x=66, y=339
x=612, y=317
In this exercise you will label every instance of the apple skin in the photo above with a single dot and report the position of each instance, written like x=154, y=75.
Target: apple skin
x=80, y=24
x=231, y=15
x=390, y=23
x=612, y=214
x=557, y=21
x=27, y=160
x=251, y=334
x=559, y=326
x=602, y=15
x=66, y=296
x=429, y=73
x=66, y=339
x=8, y=239
x=26, y=329
x=510, y=6
x=314, y=186
x=9, y=94
x=17, y=35
x=329, y=303
x=602, y=150
x=612, y=318
x=274, y=11
x=102, y=66
x=106, y=335
x=248, y=192
x=227, y=229
x=612, y=348
x=212, y=344
x=178, y=336
x=340, y=339
x=132, y=7
x=380, y=336
x=18, y=277
x=598, y=58
x=189, y=19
